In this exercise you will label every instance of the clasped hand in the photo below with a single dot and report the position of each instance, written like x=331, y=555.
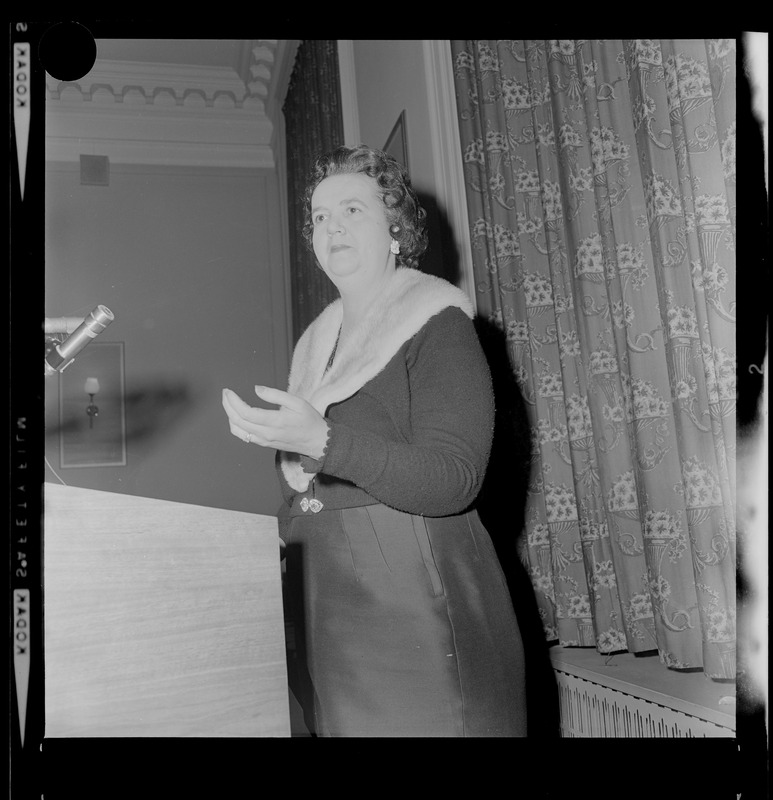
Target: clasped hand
x=296, y=426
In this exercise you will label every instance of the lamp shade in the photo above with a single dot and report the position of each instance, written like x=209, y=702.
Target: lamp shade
x=91, y=386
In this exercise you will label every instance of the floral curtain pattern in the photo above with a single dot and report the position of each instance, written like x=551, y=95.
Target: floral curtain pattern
x=600, y=182
x=313, y=126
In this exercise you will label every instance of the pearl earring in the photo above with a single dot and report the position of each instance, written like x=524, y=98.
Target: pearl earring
x=394, y=246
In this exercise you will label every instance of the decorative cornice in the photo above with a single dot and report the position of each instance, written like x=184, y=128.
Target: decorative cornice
x=172, y=114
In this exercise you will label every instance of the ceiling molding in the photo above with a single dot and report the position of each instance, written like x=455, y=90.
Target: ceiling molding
x=149, y=112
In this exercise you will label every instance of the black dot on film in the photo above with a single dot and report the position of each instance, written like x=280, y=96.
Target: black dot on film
x=67, y=51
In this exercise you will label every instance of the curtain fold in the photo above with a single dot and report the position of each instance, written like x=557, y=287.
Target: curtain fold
x=600, y=181
x=313, y=126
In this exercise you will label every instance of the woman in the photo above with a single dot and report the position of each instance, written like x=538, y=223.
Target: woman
x=383, y=438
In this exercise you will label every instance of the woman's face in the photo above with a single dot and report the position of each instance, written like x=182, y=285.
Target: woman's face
x=351, y=232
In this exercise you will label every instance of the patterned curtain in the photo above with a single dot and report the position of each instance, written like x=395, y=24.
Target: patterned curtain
x=313, y=125
x=600, y=180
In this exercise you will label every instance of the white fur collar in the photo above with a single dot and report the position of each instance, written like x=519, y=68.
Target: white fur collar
x=412, y=298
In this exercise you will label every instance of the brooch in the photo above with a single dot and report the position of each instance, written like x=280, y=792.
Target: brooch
x=311, y=504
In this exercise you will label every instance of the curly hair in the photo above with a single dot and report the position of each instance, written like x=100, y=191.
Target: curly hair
x=402, y=205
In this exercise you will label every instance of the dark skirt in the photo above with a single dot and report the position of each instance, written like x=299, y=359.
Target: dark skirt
x=404, y=625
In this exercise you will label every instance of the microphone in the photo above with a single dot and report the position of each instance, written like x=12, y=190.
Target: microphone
x=61, y=356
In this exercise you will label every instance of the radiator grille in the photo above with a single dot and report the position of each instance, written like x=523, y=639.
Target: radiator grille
x=589, y=709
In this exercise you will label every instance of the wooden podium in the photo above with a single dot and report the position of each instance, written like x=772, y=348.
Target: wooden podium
x=161, y=619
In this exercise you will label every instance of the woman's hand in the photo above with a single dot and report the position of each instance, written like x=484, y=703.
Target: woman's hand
x=296, y=426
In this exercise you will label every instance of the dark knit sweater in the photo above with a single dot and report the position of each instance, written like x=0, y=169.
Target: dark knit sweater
x=417, y=436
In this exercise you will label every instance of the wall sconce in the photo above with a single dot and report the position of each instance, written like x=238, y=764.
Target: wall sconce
x=91, y=387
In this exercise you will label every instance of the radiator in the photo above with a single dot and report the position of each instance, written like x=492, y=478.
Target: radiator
x=593, y=706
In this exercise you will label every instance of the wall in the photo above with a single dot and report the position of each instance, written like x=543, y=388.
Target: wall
x=390, y=76
x=189, y=262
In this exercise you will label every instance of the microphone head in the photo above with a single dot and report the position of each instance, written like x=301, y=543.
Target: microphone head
x=102, y=316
